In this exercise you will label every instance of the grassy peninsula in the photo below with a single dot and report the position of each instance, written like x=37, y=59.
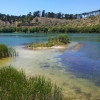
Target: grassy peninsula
x=60, y=40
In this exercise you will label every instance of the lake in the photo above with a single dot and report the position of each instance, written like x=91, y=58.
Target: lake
x=76, y=71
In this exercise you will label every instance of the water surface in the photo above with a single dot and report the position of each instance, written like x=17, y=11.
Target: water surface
x=77, y=71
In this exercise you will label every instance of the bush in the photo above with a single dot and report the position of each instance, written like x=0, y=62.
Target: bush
x=14, y=85
x=59, y=40
x=63, y=39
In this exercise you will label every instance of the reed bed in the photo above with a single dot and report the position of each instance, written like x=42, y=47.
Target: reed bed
x=12, y=52
x=14, y=85
x=7, y=51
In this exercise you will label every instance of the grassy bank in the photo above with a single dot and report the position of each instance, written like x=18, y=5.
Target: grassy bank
x=14, y=85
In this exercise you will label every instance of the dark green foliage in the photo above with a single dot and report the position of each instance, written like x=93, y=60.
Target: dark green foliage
x=36, y=14
x=59, y=15
x=7, y=52
x=61, y=39
x=3, y=51
x=14, y=85
x=61, y=29
x=43, y=13
x=51, y=14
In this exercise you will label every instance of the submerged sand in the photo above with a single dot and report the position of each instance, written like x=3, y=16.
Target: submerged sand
x=78, y=46
x=47, y=63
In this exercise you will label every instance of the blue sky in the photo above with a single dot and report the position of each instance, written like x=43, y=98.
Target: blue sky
x=23, y=7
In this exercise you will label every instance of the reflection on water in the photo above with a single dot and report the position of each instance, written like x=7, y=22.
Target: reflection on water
x=91, y=50
x=76, y=71
x=82, y=66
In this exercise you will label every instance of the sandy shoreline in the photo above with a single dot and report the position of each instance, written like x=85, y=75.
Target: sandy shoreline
x=44, y=48
x=77, y=47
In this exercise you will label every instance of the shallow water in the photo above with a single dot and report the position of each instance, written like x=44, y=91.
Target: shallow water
x=76, y=71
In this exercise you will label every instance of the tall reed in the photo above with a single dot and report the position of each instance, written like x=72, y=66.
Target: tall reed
x=7, y=51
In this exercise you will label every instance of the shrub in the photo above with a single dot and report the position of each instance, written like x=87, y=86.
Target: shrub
x=63, y=39
x=59, y=40
x=14, y=85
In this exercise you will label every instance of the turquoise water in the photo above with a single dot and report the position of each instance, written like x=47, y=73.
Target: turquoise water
x=16, y=39
x=78, y=71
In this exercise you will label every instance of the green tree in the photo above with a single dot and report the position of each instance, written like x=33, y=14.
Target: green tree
x=51, y=14
x=59, y=15
x=43, y=13
x=36, y=14
x=66, y=16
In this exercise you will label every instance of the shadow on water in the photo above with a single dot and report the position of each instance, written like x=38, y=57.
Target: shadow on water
x=44, y=65
x=84, y=63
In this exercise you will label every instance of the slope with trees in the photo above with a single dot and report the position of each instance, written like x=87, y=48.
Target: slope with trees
x=51, y=22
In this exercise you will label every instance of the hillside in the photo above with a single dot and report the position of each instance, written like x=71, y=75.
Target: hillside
x=50, y=22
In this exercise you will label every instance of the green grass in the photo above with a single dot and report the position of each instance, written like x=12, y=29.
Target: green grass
x=14, y=85
x=59, y=40
x=6, y=51
x=3, y=51
x=53, y=41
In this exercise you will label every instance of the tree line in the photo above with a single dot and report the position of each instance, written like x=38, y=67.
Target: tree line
x=27, y=18
x=54, y=29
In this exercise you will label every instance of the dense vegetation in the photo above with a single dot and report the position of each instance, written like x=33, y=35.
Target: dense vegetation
x=52, y=41
x=14, y=85
x=7, y=52
x=61, y=29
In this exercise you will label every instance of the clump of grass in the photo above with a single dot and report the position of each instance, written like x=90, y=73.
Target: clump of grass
x=53, y=41
x=7, y=52
x=39, y=45
x=61, y=39
x=12, y=52
x=3, y=51
x=14, y=85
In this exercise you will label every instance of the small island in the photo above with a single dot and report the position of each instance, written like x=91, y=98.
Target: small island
x=53, y=42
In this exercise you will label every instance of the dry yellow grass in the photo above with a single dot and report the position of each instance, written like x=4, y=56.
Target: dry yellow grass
x=50, y=22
